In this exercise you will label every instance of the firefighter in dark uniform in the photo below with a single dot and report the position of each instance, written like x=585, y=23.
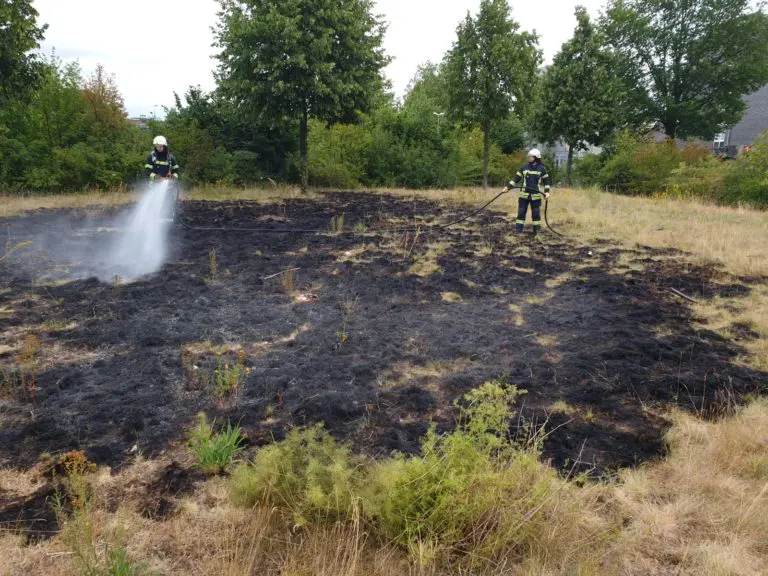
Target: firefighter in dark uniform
x=530, y=178
x=160, y=162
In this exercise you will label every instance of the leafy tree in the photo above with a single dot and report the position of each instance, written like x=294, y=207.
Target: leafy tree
x=105, y=103
x=509, y=134
x=220, y=142
x=491, y=70
x=579, y=93
x=20, y=70
x=291, y=60
x=689, y=62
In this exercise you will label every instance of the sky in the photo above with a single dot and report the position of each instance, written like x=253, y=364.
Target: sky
x=156, y=49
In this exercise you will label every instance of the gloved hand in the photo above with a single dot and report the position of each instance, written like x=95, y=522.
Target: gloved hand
x=152, y=177
x=175, y=176
x=547, y=195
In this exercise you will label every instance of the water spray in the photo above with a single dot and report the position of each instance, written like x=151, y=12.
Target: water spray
x=143, y=247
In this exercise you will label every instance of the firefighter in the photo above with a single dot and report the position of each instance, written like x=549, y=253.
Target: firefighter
x=160, y=162
x=529, y=179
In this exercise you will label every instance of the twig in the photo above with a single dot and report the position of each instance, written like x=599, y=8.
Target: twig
x=678, y=293
x=280, y=273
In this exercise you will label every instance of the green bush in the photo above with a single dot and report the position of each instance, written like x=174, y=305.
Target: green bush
x=747, y=177
x=215, y=452
x=586, y=171
x=639, y=166
x=476, y=491
x=337, y=158
x=308, y=474
x=702, y=179
x=475, y=482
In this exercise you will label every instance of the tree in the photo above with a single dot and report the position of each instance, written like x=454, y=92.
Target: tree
x=105, y=103
x=20, y=71
x=579, y=92
x=491, y=70
x=291, y=60
x=688, y=63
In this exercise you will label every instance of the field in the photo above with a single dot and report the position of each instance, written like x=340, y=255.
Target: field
x=644, y=329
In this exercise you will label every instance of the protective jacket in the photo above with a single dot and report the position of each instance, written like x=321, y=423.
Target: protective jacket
x=161, y=164
x=531, y=176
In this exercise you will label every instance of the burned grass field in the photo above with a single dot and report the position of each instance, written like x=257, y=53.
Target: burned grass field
x=370, y=329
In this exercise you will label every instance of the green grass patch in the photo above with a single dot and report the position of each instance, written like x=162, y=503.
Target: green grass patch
x=214, y=452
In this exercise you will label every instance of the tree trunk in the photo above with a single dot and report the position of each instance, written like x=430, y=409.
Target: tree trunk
x=670, y=129
x=569, y=166
x=304, y=152
x=486, y=151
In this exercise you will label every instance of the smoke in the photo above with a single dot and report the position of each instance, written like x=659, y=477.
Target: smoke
x=129, y=245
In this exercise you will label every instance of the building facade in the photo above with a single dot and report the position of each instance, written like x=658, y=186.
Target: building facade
x=754, y=122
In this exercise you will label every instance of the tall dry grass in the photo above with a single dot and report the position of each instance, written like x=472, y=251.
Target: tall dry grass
x=703, y=509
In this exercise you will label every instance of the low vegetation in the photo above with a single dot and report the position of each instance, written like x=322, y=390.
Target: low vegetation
x=215, y=451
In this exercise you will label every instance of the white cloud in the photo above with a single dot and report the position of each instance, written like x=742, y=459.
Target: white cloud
x=156, y=49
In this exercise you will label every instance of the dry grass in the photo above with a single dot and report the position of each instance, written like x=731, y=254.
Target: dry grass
x=743, y=318
x=704, y=509
x=427, y=264
x=12, y=204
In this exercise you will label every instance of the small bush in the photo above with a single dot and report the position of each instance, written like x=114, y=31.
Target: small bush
x=309, y=474
x=214, y=452
x=228, y=377
x=586, y=171
x=474, y=487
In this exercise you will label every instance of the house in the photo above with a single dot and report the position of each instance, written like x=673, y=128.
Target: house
x=559, y=150
x=754, y=122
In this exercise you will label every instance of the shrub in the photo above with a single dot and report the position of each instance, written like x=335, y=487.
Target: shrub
x=475, y=487
x=477, y=492
x=308, y=474
x=702, y=179
x=229, y=376
x=747, y=179
x=586, y=171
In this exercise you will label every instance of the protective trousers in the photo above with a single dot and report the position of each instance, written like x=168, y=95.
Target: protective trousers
x=522, y=210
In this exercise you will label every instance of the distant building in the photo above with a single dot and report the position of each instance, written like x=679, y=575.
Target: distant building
x=560, y=152
x=141, y=122
x=754, y=122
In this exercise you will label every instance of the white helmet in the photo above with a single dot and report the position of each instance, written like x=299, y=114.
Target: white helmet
x=160, y=141
x=535, y=152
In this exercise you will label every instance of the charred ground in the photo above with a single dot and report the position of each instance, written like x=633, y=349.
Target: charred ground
x=376, y=334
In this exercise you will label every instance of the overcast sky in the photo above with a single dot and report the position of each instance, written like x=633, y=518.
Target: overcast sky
x=158, y=48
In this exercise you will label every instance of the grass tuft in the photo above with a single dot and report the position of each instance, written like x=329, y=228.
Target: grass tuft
x=215, y=452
